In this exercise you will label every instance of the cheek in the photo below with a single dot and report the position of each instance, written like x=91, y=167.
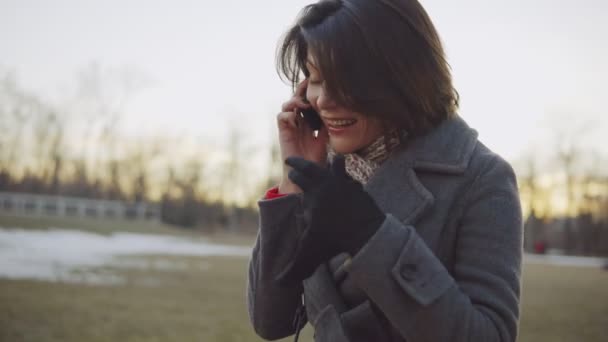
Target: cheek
x=366, y=126
x=370, y=130
x=312, y=94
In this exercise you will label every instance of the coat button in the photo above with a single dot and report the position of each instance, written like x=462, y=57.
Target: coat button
x=408, y=271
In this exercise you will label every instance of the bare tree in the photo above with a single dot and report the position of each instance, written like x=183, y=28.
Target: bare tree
x=528, y=182
x=97, y=108
x=569, y=138
x=18, y=108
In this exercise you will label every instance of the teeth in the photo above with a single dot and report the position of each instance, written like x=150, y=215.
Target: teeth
x=341, y=122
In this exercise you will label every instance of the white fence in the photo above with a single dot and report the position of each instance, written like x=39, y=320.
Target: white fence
x=44, y=205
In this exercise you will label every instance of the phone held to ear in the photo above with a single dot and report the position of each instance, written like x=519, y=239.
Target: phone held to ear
x=312, y=119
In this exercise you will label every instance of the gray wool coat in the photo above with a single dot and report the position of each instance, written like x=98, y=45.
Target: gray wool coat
x=444, y=266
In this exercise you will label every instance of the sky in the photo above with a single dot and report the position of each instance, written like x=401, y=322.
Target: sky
x=521, y=67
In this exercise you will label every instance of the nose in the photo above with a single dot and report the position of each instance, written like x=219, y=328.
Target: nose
x=324, y=100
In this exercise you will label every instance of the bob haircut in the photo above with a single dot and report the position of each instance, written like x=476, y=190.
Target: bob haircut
x=380, y=58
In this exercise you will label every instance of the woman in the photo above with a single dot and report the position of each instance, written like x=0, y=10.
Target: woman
x=393, y=223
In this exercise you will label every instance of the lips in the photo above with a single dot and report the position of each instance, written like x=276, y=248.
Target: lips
x=338, y=126
x=339, y=123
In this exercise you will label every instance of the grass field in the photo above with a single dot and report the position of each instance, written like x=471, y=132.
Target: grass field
x=205, y=301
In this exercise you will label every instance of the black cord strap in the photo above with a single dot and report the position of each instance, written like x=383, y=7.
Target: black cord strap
x=299, y=319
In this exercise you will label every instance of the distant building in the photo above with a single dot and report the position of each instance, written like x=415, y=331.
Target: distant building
x=62, y=206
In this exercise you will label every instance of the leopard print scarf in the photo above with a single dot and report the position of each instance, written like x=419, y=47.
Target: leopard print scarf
x=362, y=164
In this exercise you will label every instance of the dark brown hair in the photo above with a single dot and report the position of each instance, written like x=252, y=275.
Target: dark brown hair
x=377, y=57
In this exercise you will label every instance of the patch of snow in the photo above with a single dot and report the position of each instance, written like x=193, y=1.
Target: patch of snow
x=61, y=255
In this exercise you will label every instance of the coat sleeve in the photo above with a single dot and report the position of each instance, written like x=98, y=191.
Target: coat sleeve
x=479, y=299
x=272, y=307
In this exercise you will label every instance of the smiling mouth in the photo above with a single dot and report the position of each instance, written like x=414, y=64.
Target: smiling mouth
x=340, y=123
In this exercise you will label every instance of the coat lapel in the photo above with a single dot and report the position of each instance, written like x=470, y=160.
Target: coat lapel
x=395, y=186
x=406, y=198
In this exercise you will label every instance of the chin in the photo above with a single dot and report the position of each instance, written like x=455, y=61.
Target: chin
x=343, y=147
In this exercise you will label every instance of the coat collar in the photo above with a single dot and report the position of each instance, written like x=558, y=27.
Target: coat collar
x=395, y=185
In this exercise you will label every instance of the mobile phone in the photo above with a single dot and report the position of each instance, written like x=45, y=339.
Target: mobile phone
x=311, y=117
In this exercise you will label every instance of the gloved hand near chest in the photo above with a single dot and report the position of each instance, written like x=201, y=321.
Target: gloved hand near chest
x=340, y=216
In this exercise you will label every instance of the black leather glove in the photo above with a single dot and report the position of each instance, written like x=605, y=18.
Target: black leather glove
x=340, y=216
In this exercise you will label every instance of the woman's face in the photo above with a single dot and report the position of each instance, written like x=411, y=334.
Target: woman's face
x=348, y=131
